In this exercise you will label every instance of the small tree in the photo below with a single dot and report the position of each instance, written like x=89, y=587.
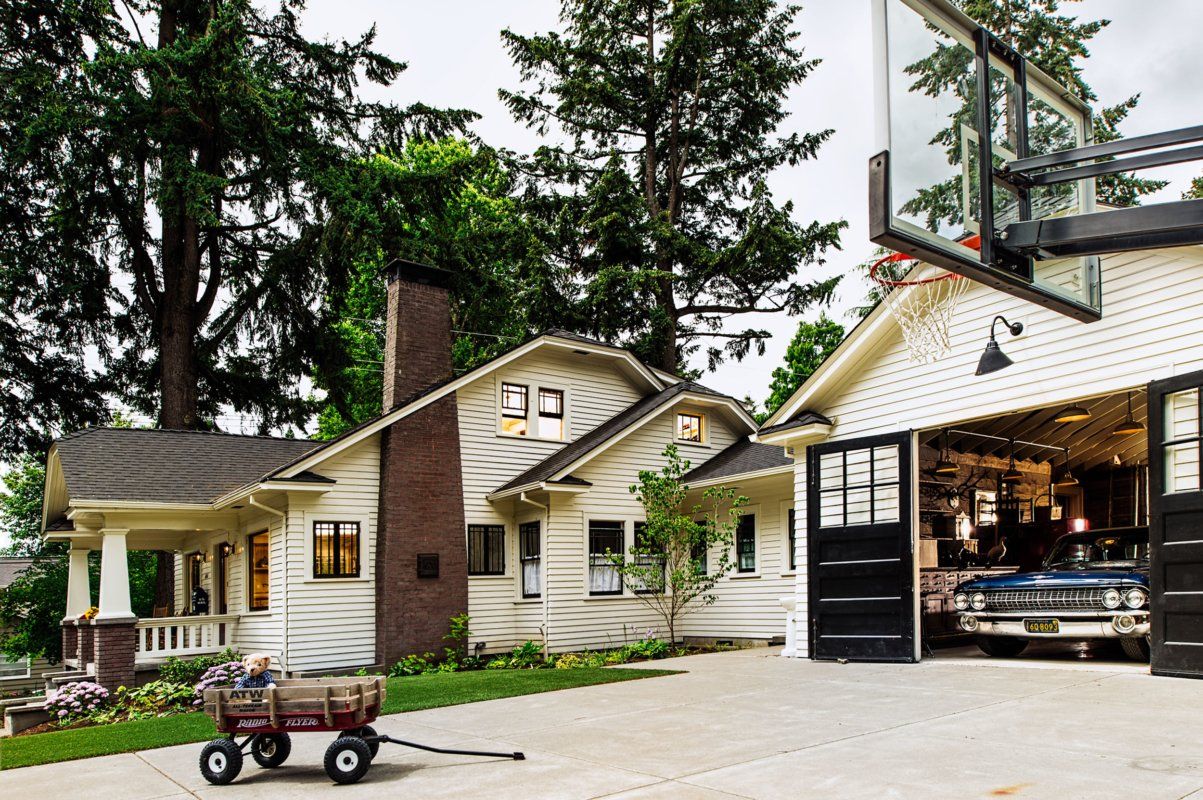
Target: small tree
x=668, y=565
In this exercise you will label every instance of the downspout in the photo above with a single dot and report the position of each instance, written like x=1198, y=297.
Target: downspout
x=283, y=516
x=545, y=589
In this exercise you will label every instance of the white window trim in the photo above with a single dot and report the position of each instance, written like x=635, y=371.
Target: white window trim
x=308, y=518
x=273, y=531
x=757, y=539
x=628, y=538
x=786, y=506
x=516, y=550
x=509, y=537
x=532, y=408
x=697, y=412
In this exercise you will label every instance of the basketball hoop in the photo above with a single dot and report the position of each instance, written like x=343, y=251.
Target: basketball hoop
x=923, y=302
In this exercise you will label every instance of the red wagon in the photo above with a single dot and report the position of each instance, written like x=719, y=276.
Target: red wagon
x=267, y=717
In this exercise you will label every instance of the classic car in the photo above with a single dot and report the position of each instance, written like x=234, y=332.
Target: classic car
x=1092, y=585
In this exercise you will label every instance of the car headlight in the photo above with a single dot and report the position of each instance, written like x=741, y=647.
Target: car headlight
x=978, y=601
x=1135, y=598
x=1112, y=598
x=961, y=601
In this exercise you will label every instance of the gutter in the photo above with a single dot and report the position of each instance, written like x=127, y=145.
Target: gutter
x=545, y=589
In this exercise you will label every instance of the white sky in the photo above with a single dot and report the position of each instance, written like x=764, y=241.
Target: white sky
x=456, y=59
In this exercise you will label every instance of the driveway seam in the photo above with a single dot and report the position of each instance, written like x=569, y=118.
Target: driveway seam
x=138, y=754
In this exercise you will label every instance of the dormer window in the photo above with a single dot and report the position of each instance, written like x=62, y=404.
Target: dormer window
x=514, y=409
x=690, y=427
x=551, y=414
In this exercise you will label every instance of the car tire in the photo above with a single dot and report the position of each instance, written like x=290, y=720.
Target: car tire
x=366, y=731
x=271, y=749
x=221, y=761
x=1002, y=646
x=348, y=759
x=1136, y=648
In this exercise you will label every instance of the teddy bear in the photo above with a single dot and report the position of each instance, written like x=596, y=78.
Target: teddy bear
x=257, y=676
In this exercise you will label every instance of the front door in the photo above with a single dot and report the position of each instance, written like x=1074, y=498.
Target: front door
x=860, y=556
x=1176, y=525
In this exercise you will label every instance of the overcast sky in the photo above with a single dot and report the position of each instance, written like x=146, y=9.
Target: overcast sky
x=456, y=59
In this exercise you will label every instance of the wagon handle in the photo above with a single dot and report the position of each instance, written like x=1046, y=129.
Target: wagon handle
x=516, y=756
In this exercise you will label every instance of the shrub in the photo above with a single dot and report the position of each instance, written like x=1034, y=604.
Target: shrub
x=527, y=655
x=74, y=701
x=412, y=665
x=189, y=672
x=501, y=662
x=216, y=677
x=155, y=699
x=570, y=661
x=647, y=648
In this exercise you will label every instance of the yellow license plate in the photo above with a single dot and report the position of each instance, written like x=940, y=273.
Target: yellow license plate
x=1042, y=625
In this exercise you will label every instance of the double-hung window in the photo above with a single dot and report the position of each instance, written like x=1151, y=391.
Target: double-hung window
x=530, y=555
x=258, y=556
x=745, y=544
x=551, y=413
x=690, y=427
x=486, y=549
x=336, y=549
x=791, y=541
x=605, y=540
x=515, y=403
x=651, y=559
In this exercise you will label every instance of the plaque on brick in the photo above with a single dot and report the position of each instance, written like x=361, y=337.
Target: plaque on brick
x=428, y=565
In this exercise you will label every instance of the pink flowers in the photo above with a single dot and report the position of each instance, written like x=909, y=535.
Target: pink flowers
x=74, y=700
x=216, y=677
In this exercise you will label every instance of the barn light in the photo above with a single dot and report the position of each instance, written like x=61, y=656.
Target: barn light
x=1072, y=414
x=945, y=466
x=1067, y=480
x=994, y=359
x=1129, y=426
x=1012, y=475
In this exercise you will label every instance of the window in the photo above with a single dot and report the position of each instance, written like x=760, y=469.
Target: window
x=649, y=559
x=699, y=550
x=194, y=570
x=260, y=568
x=486, y=549
x=689, y=427
x=514, y=406
x=13, y=667
x=336, y=549
x=530, y=555
x=1183, y=438
x=745, y=544
x=791, y=542
x=551, y=414
x=604, y=537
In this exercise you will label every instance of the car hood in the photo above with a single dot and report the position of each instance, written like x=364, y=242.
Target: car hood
x=1059, y=579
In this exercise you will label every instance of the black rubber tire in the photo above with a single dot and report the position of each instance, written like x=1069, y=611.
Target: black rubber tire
x=368, y=730
x=348, y=759
x=1002, y=646
x=1136, y=648
x=271, y=749
x=221, y=761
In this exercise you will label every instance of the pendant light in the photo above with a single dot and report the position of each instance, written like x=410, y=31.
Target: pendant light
x=1067, y=480
x=1072, y=414
x=1012, y=475
x=945, y=466
x=1129, y=426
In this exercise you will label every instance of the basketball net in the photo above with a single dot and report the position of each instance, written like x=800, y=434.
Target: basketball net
x=922, y=302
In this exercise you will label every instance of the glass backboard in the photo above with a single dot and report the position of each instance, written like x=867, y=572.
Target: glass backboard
x=933, y=102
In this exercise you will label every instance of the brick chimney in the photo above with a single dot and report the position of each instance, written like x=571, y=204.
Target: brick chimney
x=421, y=554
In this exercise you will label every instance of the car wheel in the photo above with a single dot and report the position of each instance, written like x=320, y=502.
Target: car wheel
x=271, y=749
x=348, y=759
x=1136, y=648
x=365, y=732
x=1001, y=646
x=221, y=761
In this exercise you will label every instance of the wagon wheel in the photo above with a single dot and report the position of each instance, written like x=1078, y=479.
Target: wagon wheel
x=221, y=761
x=271, y=749
x=348, y=759
x=368, y=731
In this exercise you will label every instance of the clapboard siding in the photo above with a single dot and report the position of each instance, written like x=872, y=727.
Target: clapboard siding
x=1152, y=327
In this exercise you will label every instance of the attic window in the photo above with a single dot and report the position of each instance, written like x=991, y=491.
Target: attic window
x=514, y=406
x=551, y=414
x=690, y=427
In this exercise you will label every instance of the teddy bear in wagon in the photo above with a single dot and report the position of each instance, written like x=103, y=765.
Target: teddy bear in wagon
x=257, y=676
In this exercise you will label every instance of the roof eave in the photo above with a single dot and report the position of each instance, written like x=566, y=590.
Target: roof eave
x=785, y=469
x=793, y=437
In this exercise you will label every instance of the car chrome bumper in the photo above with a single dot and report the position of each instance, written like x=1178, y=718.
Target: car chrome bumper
x=1071, y=626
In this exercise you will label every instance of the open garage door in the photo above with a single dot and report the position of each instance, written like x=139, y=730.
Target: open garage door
x=1176, y=525
x=861, y=561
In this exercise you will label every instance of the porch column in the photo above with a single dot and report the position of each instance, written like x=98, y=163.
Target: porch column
x=79, y=598
x=113, y=636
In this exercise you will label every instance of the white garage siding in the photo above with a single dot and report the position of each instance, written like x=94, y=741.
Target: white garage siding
x=1152, y=327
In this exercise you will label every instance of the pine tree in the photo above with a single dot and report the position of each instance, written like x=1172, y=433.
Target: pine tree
x=662, y=118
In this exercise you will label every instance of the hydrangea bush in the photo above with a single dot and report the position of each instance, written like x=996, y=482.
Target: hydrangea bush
x=75, y=700
x=217, y=677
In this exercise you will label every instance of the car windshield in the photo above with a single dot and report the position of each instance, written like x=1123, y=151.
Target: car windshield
x=1101, y=548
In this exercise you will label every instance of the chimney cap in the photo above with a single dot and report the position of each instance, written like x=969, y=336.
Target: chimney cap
x=400, y=269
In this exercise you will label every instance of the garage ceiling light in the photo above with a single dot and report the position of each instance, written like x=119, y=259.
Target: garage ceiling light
x=1012, y=475
x=1073, y=414
x=1129, y=426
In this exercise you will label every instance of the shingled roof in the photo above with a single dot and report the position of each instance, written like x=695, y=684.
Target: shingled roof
x=168, y=466
x=742, y=457
x=11, y=567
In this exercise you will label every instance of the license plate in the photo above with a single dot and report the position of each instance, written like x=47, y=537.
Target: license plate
x=1042, y=625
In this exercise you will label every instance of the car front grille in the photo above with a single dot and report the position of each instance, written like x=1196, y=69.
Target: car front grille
x=1045, y=600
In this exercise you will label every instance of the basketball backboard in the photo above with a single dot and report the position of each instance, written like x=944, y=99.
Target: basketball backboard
x=947, y=90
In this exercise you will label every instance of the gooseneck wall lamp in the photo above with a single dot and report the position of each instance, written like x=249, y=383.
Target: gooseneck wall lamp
x=994, y=359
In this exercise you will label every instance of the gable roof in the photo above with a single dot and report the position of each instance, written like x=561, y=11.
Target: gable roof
x=550, y=468
x=168, y=466
x=801, y=419
x=741, y=458
x=11, y=567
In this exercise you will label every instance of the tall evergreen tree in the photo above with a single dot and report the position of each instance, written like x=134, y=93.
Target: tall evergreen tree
x=662, y=118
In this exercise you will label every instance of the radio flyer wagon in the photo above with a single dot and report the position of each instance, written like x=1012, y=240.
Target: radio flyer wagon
x=267, y=717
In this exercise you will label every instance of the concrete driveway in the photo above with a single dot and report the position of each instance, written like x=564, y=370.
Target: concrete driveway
x=746, y=724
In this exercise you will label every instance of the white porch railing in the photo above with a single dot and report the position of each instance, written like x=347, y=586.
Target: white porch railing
x=158, y=638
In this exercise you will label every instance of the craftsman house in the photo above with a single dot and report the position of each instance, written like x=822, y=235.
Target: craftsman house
x=494, y=492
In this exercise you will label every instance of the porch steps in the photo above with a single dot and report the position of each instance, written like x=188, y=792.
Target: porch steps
x=22, y=713
x=54, y=680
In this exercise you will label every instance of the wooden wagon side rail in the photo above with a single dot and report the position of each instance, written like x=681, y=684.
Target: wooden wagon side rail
x=338, y=703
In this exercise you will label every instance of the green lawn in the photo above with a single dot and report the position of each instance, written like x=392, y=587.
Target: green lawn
x=404, y=694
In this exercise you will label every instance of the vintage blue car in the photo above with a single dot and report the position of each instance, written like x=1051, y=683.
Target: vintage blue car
x=1093, y=585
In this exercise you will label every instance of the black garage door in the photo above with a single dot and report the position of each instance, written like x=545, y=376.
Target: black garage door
x=1176, y=525
x=859, y=549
